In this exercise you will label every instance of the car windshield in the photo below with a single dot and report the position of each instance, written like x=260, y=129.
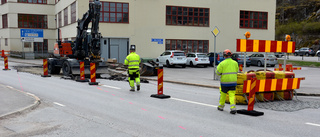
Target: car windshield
x=241, y=56
x=178, y=54
x=202, y=55
x=271, y=56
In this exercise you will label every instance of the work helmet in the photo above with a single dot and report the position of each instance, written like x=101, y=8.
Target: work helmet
x=132, y=47
x=227, y=52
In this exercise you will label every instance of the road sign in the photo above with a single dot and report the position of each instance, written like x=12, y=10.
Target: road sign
x=215, y=31
x=32, y=33
x=160, y=41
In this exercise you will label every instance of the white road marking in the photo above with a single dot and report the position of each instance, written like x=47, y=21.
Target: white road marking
x=111, y=87
x=198, y=103
x=9, y=87
x=312, y=124
x=58, y=104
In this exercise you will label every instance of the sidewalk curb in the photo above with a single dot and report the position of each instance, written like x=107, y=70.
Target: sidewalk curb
x=35, y=104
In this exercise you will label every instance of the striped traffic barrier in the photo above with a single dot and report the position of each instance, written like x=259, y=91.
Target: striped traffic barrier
x=82, y=74
x=160, y=85
x=93, y=74
x=6, y=66
x=45, y=68
x=245, y=45
x=288, y=68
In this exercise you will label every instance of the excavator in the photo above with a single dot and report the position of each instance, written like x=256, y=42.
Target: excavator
x=67, y=55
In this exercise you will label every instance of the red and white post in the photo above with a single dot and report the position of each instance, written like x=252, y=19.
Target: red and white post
x=82, y=73
x=6, y=66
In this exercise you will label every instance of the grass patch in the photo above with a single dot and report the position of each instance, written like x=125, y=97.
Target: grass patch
x=301, y=63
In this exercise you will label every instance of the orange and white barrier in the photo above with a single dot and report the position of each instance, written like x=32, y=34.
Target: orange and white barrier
x=245, y=45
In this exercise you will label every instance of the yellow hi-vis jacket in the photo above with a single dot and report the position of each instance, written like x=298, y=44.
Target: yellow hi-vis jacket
x=132, y=60
x=228, y=70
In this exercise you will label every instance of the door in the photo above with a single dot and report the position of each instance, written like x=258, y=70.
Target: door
x=117, y=48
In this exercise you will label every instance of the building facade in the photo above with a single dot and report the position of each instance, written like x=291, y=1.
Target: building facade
x=152, y=25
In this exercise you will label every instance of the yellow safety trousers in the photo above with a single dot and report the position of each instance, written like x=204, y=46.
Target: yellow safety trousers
x=137, y=79
x=232, y=98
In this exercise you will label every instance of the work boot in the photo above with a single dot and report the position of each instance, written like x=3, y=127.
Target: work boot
x=233, y=111
x=132, y=89
x=220, y=107
x=138, y=87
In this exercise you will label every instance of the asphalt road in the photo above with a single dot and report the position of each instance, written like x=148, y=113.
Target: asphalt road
x=70, y=108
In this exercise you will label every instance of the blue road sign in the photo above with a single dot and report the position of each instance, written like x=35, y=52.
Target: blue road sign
x=32, y=33
x=160, y=41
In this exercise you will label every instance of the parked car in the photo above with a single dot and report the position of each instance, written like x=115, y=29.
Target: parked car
x=279, y=54
x=318, y=53
x=219, y=57
x=196, y=59
x=258, y=59
x=172, y=57
x=239, y=57
x=304, y=51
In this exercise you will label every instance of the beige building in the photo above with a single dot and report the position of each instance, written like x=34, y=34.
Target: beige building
x=152, y=25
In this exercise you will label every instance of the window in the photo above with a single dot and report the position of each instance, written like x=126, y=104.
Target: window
x=252, y=19
x=201, y=46
x=65, y=12
x=5, y=21
x=6, y=41
x=114, y=12
x=32, y=21
x=33, y=1
x=73, y=12
x=59, y=19
x=3, y=1
x=41, y=47
x=187, y=16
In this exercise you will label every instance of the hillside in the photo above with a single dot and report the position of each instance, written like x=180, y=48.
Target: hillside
x=301, y=20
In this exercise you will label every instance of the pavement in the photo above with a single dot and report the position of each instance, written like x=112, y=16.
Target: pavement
x=14, y=101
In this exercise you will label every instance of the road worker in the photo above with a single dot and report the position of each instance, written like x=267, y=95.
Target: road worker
x=133, y=61
x=228, y=69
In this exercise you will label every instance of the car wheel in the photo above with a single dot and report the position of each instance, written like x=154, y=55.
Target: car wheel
x=66, y=68
x=259, y=64
x=307, y=54
x=168, y=64
x=295, y=54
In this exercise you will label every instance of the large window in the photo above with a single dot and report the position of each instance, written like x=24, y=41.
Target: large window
x=32, y=21
x=114, y=12
x=41, y=47
x=253, y=19
x=65, y=12
x=5, y=21
x=73, y=12
x=201, y=46
x=33, y=1
x=187, y=16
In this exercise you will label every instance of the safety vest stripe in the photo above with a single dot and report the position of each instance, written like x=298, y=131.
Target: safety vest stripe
x=133, y=65
x=218, y=72
x=134, y=61
x=229, y=73
x=233, y=82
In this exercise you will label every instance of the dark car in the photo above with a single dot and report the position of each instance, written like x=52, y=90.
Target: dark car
x=305, y=51
x=219, y=57
x=239, y=57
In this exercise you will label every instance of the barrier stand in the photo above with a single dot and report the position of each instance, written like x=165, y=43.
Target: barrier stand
x=93, y=74
x=45, y=68
x=82, y=74
x=6, y=66
x=252, y=93
x=160, y=85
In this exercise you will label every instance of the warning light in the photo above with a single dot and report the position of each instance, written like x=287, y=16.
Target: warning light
x=247, y=34
x=288, y=37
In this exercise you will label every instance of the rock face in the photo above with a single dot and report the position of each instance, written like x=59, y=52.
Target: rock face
x=300, y=19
